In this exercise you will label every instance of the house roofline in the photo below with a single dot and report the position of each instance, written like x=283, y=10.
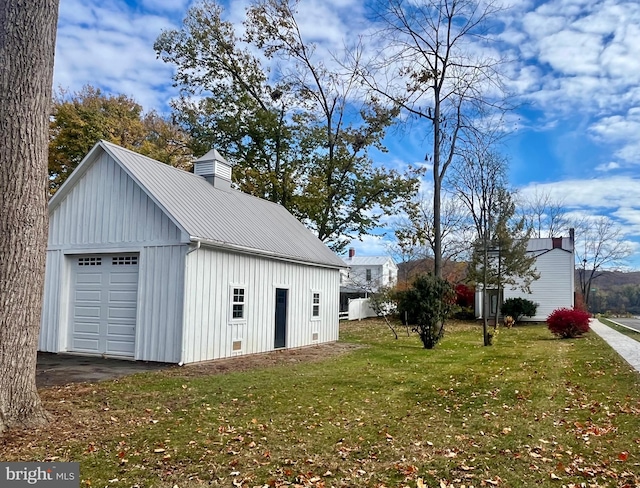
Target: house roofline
x=259, y=252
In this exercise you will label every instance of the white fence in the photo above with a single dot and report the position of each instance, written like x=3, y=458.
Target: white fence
x=359, y=309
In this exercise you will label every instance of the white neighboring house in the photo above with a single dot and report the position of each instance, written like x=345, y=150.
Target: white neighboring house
x=361, y=276
x=149, y=262
x=369, y=272
x=555, y=262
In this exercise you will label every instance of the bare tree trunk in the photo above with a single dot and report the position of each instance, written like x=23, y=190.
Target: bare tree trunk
x=486, y=307
x=27, y=44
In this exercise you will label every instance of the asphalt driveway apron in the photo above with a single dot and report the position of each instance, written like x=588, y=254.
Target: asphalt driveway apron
x=60, y=369
x=628, y=348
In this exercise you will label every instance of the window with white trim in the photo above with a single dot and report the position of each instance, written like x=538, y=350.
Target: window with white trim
x=368, y=274
x=315, y=304
x=238, y=301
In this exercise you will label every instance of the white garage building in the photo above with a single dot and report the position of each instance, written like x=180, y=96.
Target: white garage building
x=149, y=262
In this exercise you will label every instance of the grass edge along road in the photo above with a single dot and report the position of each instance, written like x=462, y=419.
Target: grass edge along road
x=531, y=410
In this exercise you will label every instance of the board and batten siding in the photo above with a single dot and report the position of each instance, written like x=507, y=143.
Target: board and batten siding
x=160, y=303
x=52, y=304
x=106, y=212
x=107, y=207
x=554, y=289
x=211, y=275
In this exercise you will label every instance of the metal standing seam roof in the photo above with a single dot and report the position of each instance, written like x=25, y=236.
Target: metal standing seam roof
x=367, y=260
x=228, y=218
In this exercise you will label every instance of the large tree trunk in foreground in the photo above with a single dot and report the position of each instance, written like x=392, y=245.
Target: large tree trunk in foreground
x=27, y=44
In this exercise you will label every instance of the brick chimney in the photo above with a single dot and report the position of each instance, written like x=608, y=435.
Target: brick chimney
x=352, y=252
x=215, y=169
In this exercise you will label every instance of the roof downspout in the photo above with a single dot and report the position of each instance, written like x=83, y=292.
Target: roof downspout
x=197, y=242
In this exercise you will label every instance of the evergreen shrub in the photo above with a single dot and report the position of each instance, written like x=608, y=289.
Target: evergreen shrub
x=518, y=308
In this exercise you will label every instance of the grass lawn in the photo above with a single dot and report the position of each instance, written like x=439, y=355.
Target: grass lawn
x=635, y=335
x=531, y=410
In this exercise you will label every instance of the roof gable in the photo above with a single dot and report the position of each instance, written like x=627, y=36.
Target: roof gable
x=225, y=218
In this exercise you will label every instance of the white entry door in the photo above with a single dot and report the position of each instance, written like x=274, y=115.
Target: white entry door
x=104, y=304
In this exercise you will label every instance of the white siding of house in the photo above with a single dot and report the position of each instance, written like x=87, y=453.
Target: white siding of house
x=52, y=303
x=385, y=274
x=160, y=304
x=107, y=212
x=107, y=207
x=554, y=289
x=209, y=333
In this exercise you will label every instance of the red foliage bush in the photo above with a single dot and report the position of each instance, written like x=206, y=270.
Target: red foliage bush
x=465, y=295
x=568, y=322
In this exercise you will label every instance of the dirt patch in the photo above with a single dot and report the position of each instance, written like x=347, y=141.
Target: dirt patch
x=256, y=361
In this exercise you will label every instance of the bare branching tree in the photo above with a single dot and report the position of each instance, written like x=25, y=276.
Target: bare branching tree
x=479, y=179
x=543, y=213
x=417, y=231
x=434, y=68
x=600, y=245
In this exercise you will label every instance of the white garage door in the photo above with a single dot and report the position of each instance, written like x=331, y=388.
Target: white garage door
x=104, y=304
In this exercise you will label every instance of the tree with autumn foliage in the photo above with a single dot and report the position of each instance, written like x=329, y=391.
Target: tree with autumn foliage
x=297, y=127
x=79, y=120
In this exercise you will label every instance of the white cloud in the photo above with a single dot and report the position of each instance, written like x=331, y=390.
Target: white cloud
x=595, y=195
x=372, y=245
x=608, y=166
x=110, y=46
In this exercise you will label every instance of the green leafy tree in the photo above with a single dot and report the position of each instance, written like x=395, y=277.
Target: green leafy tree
x=502, y=260
x=287, y=120
x=427, y=303
x=79, y=120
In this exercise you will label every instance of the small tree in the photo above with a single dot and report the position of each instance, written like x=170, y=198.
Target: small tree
x=518, y=308
x=568, y=322
x=428, y=303
x=382, y=302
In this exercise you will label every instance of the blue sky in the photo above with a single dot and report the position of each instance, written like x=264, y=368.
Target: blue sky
x=575, y=71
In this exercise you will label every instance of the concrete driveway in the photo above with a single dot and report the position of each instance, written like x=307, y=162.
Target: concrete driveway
x=633, y=323
x=60, y=369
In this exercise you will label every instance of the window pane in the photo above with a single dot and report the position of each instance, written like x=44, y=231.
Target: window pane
x=316, y=310
x=238, y=311
x=238, y=295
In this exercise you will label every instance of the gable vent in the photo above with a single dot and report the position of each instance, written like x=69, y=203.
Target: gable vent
x=215, y=169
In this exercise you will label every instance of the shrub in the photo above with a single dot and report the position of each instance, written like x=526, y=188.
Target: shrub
x=464, y=313
x=568, y=322
x=518, y=308
x=427, y=303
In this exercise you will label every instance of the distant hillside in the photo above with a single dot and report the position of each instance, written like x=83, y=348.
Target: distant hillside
x=612, y=279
